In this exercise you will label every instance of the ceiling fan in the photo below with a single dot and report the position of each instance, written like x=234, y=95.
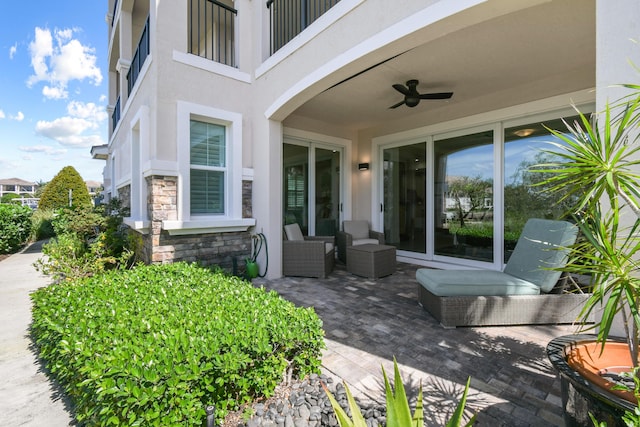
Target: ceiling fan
x=412, y=97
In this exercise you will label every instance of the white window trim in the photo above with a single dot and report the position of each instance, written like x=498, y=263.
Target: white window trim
x=232, y=219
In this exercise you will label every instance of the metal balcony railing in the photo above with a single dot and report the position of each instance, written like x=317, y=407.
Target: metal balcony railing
x=139, y=57
x=212, y=31
x=115, y=116
x=115, y=9
x=288, y=18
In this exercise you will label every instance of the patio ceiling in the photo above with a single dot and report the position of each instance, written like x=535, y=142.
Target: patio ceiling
x=532, y=54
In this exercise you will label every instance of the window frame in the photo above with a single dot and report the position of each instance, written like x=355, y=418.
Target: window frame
x=210, y=168
x=231, y=220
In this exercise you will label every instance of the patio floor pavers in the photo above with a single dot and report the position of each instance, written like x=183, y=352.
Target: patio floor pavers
x=369, y=322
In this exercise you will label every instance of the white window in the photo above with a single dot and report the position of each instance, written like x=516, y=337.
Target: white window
x=208, y=168
x=209, y=171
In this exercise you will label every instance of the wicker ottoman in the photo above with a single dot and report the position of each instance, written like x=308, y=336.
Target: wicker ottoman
x=371, y=260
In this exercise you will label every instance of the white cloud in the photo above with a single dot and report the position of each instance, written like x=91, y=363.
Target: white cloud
x=46, y=149
x=12, y=51
x=78, y=129
x=58, y=65
x=2, y=116
x=88, y=111
x=54, y=92
x=18, y=117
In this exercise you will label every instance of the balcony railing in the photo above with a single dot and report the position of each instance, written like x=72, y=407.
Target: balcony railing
x=115, y=116
x=115, y=9
x=139, y=57
x=288, y=18
x=212, y=31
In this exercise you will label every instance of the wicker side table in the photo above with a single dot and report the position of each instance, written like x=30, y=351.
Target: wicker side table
x=371, y=260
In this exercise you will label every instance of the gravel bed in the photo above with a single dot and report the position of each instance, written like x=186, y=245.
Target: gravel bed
x=305, y=404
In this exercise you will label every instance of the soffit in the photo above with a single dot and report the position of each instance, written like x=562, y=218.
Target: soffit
x=531, y=54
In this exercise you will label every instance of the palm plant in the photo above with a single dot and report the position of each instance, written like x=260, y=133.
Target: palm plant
x=597, y=172
x=398, y=410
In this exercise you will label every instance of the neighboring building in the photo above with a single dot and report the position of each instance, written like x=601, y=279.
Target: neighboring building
x=231, y=117
x=17, y=186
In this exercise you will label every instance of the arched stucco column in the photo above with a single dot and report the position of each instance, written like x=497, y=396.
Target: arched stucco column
x=617, y=45
x=267, y=191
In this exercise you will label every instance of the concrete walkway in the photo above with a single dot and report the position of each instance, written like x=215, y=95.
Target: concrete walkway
x=27, y=396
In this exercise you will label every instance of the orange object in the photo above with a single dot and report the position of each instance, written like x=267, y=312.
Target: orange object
x=591, y=363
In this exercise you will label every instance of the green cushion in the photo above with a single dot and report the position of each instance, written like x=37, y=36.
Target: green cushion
x=542, y=245
x=473, y=283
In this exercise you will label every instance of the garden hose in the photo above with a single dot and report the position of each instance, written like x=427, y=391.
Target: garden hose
x=258, y=241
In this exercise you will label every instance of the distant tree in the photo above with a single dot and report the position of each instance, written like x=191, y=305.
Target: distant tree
x=469, y=194
x=40, y=185
x=56, y=192
x=9, y=198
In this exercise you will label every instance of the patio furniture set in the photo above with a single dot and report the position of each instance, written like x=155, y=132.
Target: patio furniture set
x=361, y=249
x=530, y=289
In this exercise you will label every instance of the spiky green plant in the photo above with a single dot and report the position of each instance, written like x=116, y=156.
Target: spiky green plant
x=398, y=408
x=599, y=172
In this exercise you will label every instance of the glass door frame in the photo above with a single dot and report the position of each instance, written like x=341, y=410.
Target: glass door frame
x=377, y=211
x=313, y=141
x=498, y=201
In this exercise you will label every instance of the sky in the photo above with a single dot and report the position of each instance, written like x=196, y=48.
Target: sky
x=53, y=88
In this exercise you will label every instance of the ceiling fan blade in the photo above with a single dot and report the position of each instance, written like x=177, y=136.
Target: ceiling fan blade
x=397, y=105
x=401, y=88
x=439, y=95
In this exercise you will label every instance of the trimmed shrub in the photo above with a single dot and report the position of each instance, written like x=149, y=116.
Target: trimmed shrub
x=56, y=193
x=153, y=345
x=15, y=227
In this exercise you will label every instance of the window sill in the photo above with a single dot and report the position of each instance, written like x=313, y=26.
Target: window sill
x=139, y=225
x=178, y=228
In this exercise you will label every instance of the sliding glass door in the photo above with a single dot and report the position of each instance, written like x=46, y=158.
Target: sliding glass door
x=404, y=196
x=312, y=184
x=463, y=208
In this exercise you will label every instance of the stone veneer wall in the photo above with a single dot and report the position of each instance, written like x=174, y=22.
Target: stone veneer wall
x=124, y=195
x=207, y=249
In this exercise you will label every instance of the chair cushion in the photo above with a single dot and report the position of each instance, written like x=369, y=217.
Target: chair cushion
x=328, y=247
x=293, y=232
x=473, y=283
x=365, y=242
x=359, y=229
x=533, y=257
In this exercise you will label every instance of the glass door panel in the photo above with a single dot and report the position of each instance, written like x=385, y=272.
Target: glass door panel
x=404, y=199
x=523, y=147
x=327, y=191
x=463, y=199
x=296, y=185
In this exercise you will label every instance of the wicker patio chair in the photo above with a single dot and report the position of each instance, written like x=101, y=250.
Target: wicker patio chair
x=306, y=256
x=353, y=233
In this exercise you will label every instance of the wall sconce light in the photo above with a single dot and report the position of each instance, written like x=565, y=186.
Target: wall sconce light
x=363, y=166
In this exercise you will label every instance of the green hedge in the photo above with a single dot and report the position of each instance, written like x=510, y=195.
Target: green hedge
x=153, y=345
x=15, y=227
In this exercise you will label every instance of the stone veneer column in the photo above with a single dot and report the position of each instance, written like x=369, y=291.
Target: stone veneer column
x=161, y=205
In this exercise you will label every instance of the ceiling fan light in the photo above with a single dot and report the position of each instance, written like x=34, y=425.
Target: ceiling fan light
x=411, y=101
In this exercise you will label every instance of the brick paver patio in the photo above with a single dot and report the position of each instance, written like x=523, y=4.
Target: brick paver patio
x=368, y=322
